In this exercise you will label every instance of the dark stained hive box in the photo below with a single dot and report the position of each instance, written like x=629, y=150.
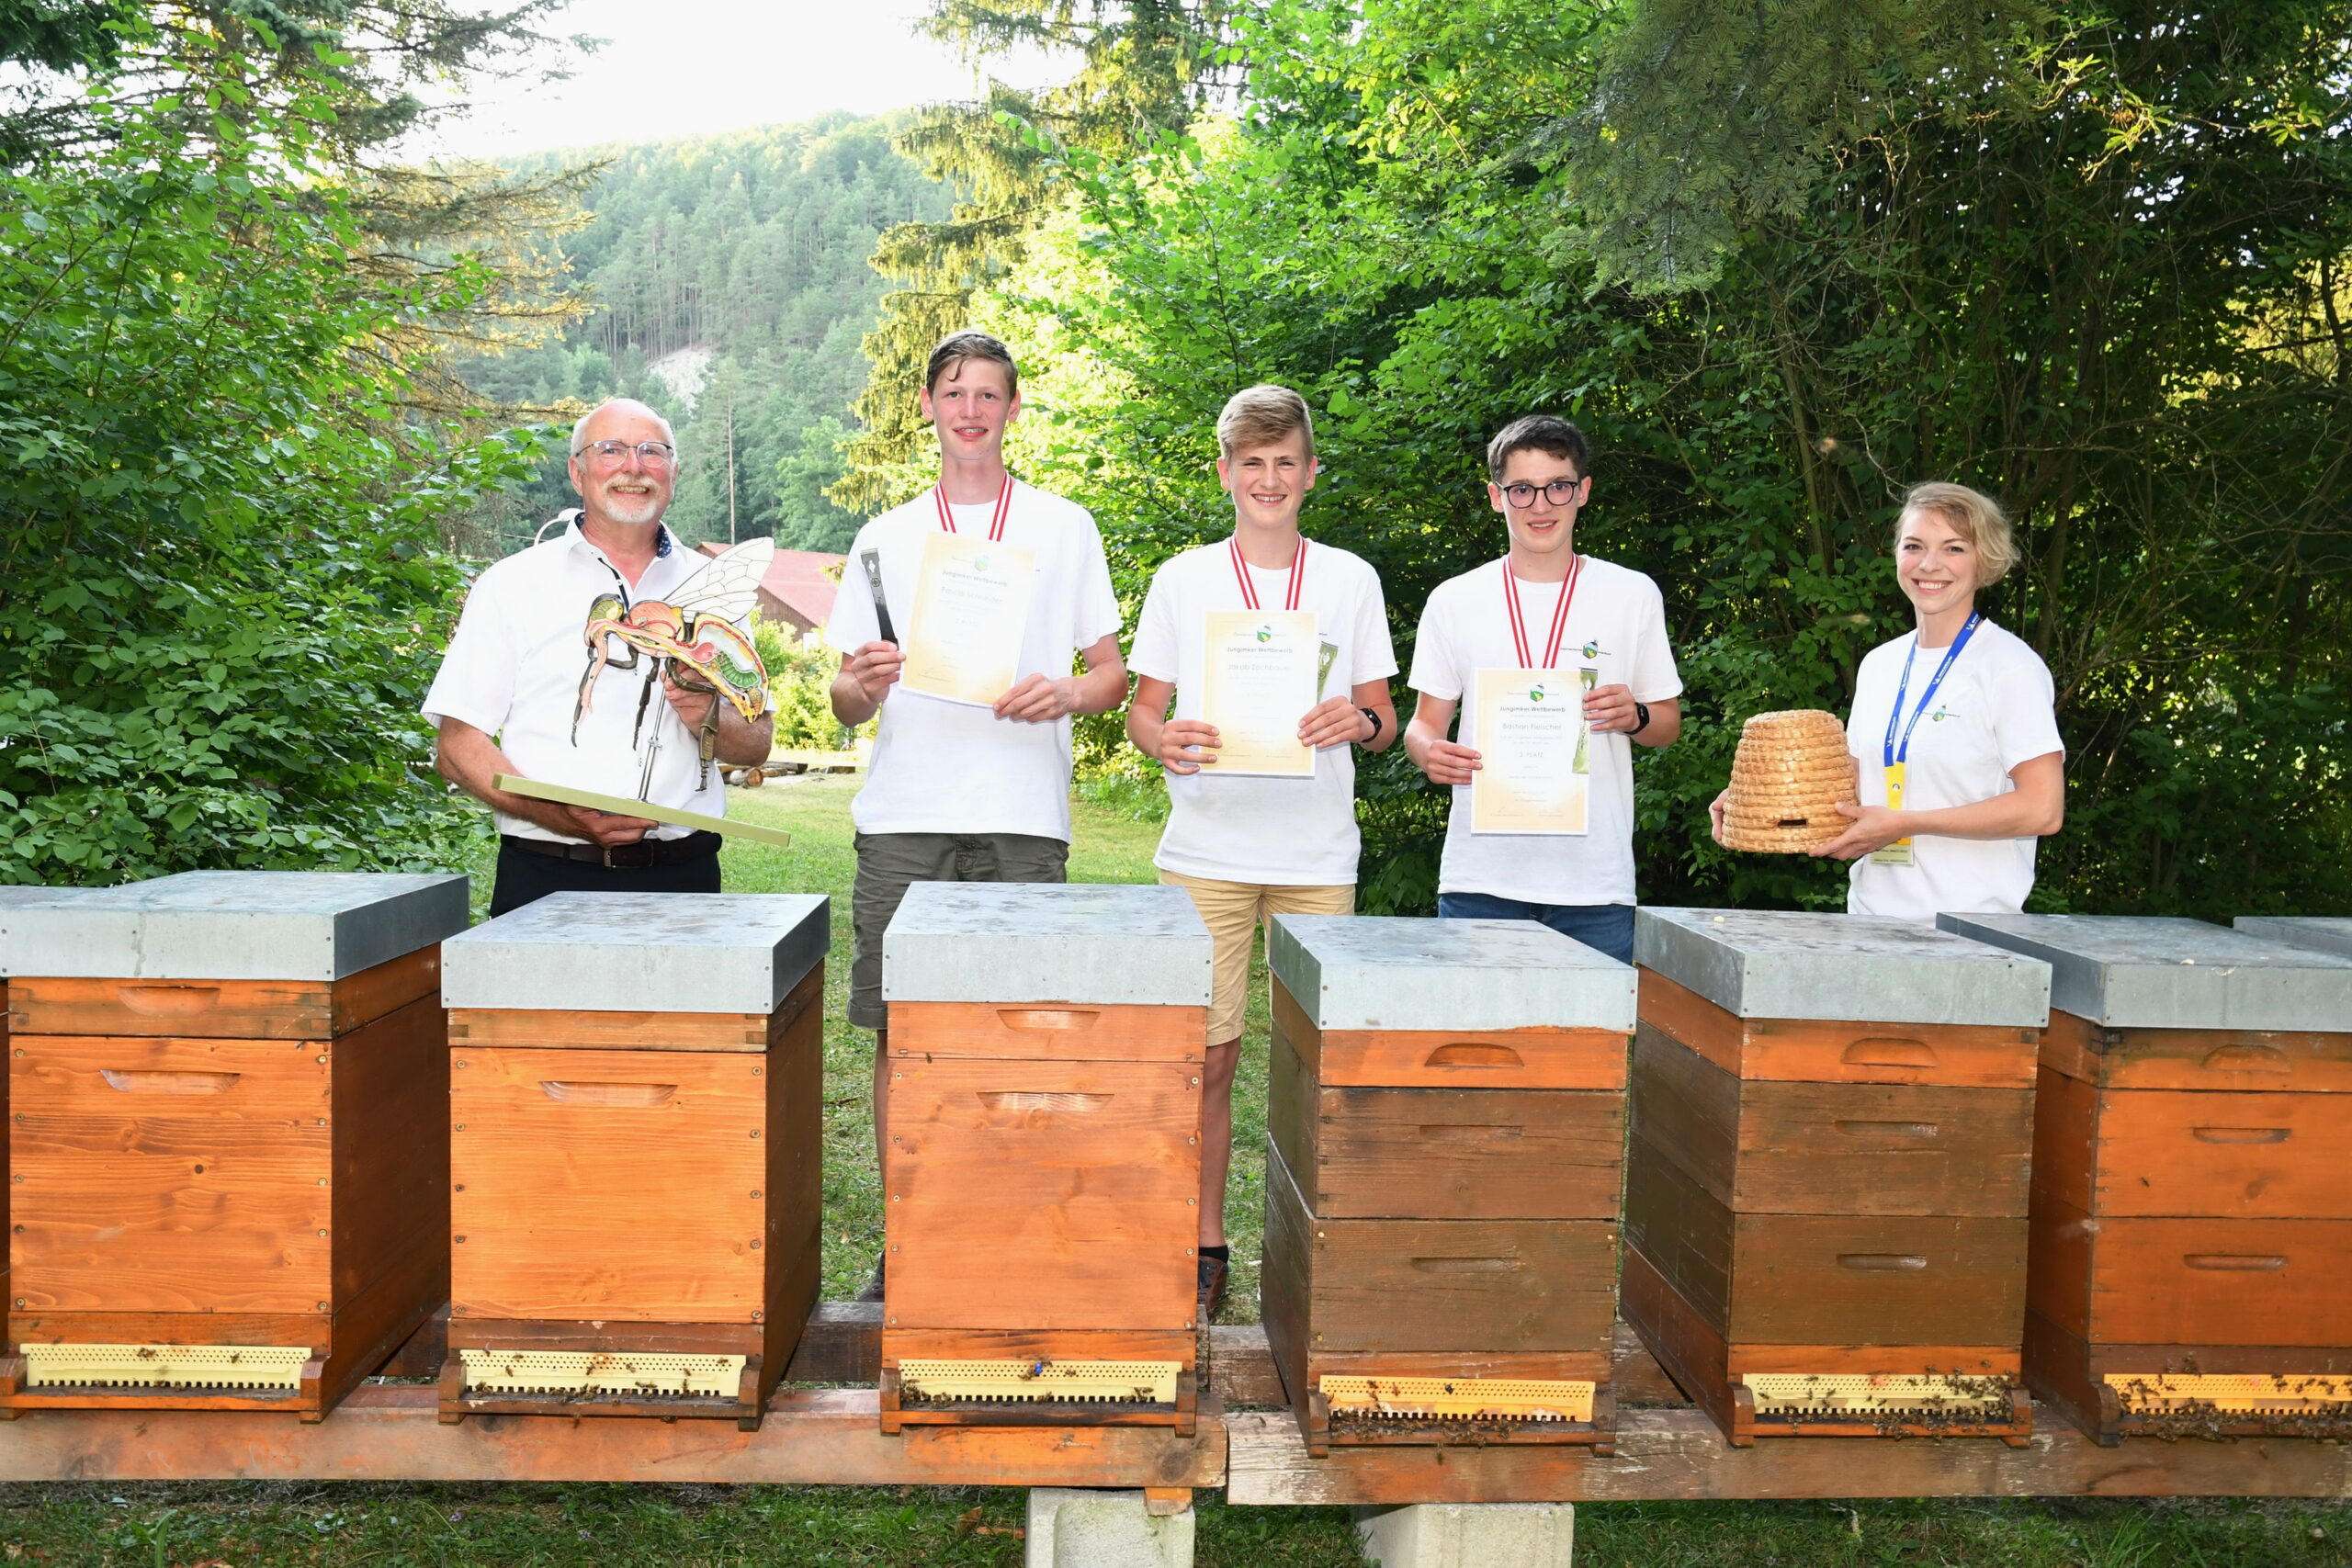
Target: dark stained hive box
x=229, y=1162
x=1828, y=1176
x=1043, y=1164
x=1445, y=1116
x=2192, y=1178
x=635, y=1126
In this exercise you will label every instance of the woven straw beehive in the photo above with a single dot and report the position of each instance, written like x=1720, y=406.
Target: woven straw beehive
x=1791, y=770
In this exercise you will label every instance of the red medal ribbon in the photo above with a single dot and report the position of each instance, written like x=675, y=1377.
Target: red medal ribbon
x=1559, y=614
x=1250, y=591
x=996, y=524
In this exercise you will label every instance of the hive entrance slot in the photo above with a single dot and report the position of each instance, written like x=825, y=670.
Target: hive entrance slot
x=1026, y=1382
x=165, y=1366
x=1460, y=1399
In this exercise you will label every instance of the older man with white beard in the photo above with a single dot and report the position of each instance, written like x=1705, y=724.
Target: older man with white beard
x=506, y=696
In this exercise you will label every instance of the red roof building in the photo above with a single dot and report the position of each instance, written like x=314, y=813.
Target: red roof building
x=798, y=589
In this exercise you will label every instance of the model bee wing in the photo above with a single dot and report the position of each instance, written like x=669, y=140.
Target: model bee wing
x=728, y=587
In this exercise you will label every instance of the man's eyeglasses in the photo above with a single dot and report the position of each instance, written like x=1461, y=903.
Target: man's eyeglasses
x=1559, y=492
x=652, y=454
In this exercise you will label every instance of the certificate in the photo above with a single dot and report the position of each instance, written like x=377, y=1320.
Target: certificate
x=1533, y=775
x=1258, y=680
x=971, y=610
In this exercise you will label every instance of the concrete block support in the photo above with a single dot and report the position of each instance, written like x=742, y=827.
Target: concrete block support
x=1072, y=1528
x=1468, y=1535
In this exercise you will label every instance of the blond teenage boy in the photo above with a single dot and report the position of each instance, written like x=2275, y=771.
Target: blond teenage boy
x=1544, y=606
x=1250, y=848
x=956, y=792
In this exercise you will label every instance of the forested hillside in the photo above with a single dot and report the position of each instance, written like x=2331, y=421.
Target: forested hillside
x=738, y=264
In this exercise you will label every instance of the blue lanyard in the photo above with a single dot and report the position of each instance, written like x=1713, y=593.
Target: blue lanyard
x=1901, y=691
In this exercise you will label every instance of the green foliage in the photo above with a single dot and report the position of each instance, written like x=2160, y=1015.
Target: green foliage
x=1143, y=70
x=221, y=597
x=746, y=253
x=2105, y=283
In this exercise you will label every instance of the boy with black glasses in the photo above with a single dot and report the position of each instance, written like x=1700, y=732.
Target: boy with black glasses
x=1564, y=662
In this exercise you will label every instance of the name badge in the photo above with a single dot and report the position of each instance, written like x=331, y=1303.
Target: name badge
x=1899, y=852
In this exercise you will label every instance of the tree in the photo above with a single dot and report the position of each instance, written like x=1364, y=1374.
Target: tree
x=2102, y=279
x=1146, y=68
x=221, y=593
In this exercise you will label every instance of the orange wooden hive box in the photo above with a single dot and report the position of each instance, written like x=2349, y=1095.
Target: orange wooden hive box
x=1041, y=1172
x=635, y=1134
x=1445, y=1127
x=1825, y=1189
x=13, y=899
x=228, y=1161
x=2192, y=1179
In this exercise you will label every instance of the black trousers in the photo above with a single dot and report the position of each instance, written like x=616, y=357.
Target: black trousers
x=525, y=878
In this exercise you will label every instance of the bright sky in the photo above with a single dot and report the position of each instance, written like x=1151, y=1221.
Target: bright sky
x=686, y=67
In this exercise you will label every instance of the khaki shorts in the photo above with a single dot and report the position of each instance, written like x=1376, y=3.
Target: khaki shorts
x=888, y=863
x=1233, y=911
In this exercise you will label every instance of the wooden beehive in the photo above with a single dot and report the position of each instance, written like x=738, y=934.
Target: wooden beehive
x=1825, y=1189
x=12, y=900
x=636, y=1131
x=227, y=1167
x=1445, y=1120
x=2192, y=1178
x=1042, y=1162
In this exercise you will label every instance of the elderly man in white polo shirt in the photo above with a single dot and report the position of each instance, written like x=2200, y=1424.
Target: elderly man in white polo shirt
x=506, y=690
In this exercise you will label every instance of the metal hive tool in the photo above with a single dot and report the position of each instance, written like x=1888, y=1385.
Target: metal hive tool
x=165, y=1366
x=607, y=1371
x=1140, y=1382
x=1460, y=1399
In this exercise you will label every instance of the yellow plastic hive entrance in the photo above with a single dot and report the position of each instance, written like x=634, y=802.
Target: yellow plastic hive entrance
x=601, y=1371
x=2267, y=1393
x=1514, y=1399
x=165, y=1366
x=1138, y=1382
x=1876, y=1397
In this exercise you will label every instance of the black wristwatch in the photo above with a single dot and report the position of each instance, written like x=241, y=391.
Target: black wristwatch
x=1641, y=719
x=1373, y=714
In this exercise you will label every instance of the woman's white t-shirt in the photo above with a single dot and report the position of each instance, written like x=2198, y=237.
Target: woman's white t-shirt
x=1617, y=626
x=1995, y=710
x=943, y=767
x=1277, y=833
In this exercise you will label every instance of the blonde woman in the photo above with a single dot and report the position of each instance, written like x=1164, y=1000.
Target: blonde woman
x=1953, y=730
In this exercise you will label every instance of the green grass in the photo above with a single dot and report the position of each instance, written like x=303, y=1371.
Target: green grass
x=278, y=1525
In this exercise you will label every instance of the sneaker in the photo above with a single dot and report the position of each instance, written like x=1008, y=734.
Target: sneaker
x=1212, y=1294
x=872, y=1291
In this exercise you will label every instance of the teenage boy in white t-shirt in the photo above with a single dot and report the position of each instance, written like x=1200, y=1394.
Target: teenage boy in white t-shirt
x=1249, y=848
x=1544, y=606
x=955, y=792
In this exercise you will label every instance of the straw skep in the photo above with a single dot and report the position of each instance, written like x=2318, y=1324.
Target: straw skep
x=1791, y=771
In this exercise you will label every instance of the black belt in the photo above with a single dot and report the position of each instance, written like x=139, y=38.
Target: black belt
x=639, y=857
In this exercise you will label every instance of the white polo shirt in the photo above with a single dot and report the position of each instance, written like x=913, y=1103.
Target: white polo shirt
x=946, y=767
x=1276, y=832
x=1616, y=624
x=1995, y=710
x=513, y=671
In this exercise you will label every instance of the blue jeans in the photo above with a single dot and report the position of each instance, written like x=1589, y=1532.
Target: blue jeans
x=1604, y=927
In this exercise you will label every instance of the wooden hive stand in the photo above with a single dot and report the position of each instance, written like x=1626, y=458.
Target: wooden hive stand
x=2192, y=1179
x=636, y=1133
x=228, y=1170
x=1445, y=1127
x=1043, y=1164
x=1826, y=1184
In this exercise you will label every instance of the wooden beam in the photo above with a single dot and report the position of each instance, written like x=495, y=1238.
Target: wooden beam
x=1678, y=1454
x=391, y=1432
